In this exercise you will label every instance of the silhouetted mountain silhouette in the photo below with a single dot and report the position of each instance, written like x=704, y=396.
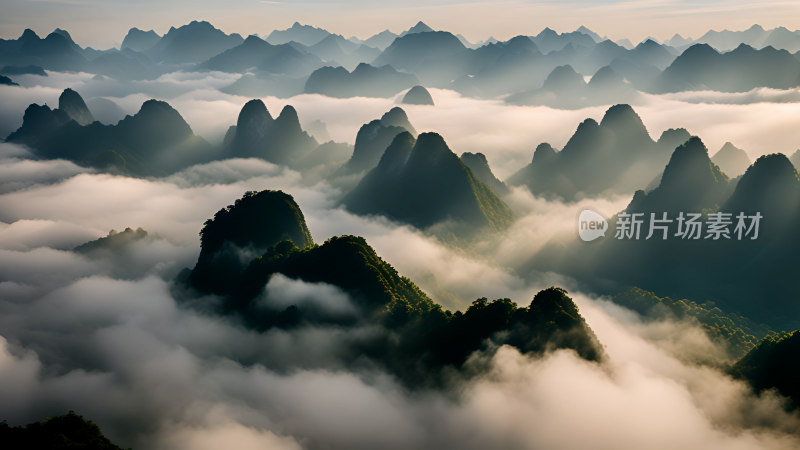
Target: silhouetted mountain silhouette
x=702, y=67
x=616, y=155
x=365, y=81
x=154, y=141
x=373, y=139
x=72, y=103
x=741, y=274
x=427, y=187
x=417, y=95
x=303, y=34
x=192, y=43
x=139, y=40
x=410, y=336
x=255, y=53
x=257, y=135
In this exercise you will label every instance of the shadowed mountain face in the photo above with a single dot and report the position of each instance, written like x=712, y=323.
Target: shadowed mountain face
x=154, y=141
x=257, y=135
x=424, y=183
x=364, y=81
x=242, y=232
x=476, y=162
x=68, y=431
x=192, y=43
x=773, y=364
x=373, y=138
x=701, y=67
x=256, y=54
x=739, y=273
x=7, y=81
x=261, y=241
x=72, y=103
x=732, y=160
x=139, y=40
x=616, y=155
x=417, y=95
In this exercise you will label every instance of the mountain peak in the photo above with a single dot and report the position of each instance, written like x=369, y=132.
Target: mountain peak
x=563, y=79
x=72, y=103
x=420, y=27
x=63, y=33
x=732, y=160
x=417, y=95
x=250, y=226
x=254, y=111
x=429, y=149
x=625, y=122
x=397, y=117
x=544, y=154
x=690, y=161
x=288, y=120
x=28, y=35
x=769, y=186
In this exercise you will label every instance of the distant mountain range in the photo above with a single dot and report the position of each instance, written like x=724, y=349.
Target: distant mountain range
x=545, y=69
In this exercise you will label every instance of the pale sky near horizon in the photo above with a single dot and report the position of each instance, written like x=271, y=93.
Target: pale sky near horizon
x=103, y=23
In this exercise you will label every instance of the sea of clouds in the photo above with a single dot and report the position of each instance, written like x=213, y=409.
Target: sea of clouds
x=102, y=334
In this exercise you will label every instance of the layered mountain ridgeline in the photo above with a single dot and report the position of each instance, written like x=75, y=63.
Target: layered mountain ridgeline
x=336, y=50
x=364, y=81
x=738, y=333
x=565, y=88
x=58, y=52
x=701, y=67
x=257, y=135
x=747, y=267
x=410, y=335
x=192, y=43
x=155, y=141
x=755, y=36
x=69, y=431
x=615, y=156
x=302, y=34
x=423, y=183
x=417, y=95
x=773, y=364
x=731, y=160
x=373, y=138
x=255, y=54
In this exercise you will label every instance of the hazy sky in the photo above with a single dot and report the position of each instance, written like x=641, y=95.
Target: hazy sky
x=103, y=23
